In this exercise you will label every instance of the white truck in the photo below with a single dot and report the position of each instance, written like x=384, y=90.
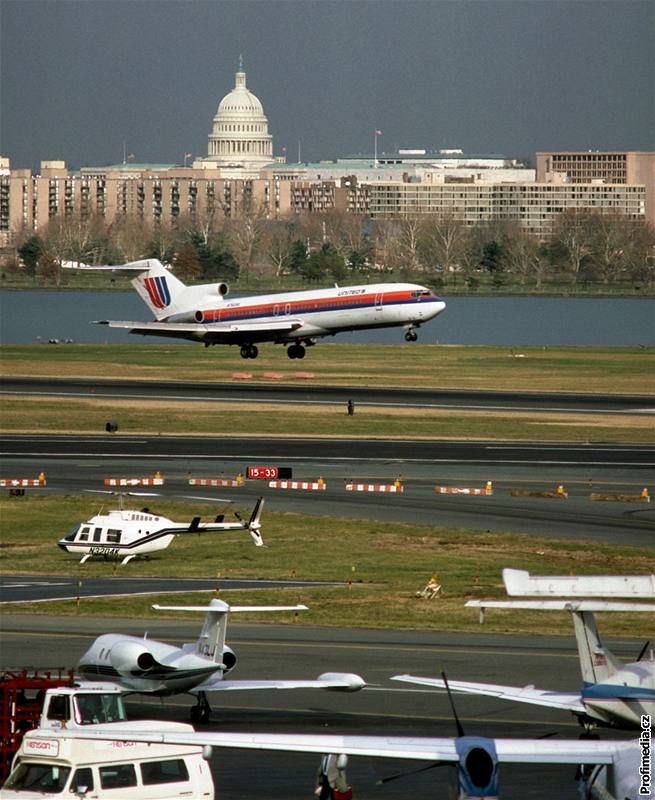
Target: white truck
x=46, y=765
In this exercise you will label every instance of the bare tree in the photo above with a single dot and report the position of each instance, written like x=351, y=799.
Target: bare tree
x=444, y=241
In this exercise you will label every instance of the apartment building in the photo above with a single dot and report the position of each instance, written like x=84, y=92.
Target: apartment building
x=627, y=168
x=534, y=206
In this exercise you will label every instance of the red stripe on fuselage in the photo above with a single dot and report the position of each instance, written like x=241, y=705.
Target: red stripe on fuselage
x=313, y=305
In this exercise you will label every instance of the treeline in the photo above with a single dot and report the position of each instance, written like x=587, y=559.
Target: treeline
x=584, y=247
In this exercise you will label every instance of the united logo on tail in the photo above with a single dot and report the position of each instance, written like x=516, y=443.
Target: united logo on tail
x=158, y=291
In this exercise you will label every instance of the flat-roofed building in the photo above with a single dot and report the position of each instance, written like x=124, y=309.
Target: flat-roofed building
x=625, y=168
x=534, y=206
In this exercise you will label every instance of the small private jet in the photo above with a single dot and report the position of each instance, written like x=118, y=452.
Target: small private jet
x=126, y=534
x=147, y=666
x=613, y=693
x=201, y=313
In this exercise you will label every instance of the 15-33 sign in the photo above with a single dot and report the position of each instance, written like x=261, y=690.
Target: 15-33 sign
x=268, y=473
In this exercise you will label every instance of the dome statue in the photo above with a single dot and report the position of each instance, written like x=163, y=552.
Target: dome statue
x=239, y=137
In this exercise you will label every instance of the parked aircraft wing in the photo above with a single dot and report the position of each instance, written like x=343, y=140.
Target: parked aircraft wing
x=546, y=751
x=566, y=701
x=339, y=681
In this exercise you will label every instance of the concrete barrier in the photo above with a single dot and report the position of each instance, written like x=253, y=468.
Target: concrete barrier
x=231, y=483
x=318, y=485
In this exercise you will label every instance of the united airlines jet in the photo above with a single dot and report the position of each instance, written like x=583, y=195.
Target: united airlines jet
x=202, y=313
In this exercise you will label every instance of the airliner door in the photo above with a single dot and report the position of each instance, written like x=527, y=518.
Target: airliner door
x=379, y=298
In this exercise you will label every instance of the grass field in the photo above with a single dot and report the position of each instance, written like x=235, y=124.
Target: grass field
x=382, y=566
x=563, y=369
x=627, y=371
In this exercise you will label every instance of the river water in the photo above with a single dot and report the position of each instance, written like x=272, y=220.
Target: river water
x=34, y=316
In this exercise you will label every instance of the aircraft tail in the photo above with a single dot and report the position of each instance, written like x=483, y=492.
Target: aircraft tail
x=597, y=662
x=159, y=289
x=254, y=523
x=211, y=642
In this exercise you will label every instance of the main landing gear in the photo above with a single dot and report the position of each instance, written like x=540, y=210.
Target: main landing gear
x=411, y=335
x=249, y=351
x=201, y=712
x=296, y=351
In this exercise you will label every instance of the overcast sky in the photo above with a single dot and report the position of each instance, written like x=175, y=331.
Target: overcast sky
x=81, y=77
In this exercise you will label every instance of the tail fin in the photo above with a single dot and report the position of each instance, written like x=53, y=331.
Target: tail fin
x=254, y=523
x=211, y=642
x=157, y=286
x=597, y=662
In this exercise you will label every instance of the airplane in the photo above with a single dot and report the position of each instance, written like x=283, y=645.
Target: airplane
x=613, y=693
x=607, y=770
x=126, y=534
x=147, y=666
x=201, y=313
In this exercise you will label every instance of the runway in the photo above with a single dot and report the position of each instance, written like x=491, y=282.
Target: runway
x=76, y=463
x=175, y=391
x=386, y=708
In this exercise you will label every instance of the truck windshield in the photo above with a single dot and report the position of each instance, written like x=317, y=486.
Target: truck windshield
x=45, y=778
x=91, y=709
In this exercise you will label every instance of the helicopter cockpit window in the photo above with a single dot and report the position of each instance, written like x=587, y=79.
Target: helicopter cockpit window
x=83, y=535
x=113, y=535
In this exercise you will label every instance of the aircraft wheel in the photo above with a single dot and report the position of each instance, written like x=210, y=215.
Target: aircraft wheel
x=254, y=352
x=411, y=336
x=291, y=351
x=245, y=351
x=300, y=351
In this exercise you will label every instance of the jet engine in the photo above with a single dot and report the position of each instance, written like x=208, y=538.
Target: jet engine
x=229, y=659
x=131, y=658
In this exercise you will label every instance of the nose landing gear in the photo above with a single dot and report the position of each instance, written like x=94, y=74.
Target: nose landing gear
x=411, y=335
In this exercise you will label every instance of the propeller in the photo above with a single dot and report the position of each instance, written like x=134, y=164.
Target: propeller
x=460, y=732
x=642, y=653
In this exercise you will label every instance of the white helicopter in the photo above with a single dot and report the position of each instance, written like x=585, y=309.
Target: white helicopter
x=126, y=534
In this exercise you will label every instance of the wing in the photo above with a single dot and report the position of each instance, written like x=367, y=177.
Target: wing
x=566, y=701
x=409, y=747
x=344, y=681
x=213, y=332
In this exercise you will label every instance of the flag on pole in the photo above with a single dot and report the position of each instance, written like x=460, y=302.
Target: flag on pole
x=188, y=155
x=378, y=133
x=131, y=157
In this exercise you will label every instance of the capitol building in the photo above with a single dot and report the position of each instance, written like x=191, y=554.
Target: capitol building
x=239, y=143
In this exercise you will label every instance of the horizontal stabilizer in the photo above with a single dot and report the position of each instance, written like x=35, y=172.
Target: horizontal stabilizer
x=221, y=607
x=520, y=582
x=132, y=268
x=563, y=605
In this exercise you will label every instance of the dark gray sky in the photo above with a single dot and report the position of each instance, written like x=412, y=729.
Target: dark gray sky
x=80, y=77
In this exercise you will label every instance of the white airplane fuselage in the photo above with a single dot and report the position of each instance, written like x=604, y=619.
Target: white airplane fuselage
x=322, y=311
x=626, y=697
x=149, y=666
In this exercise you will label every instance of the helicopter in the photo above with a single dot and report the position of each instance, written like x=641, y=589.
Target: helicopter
x=123, y=533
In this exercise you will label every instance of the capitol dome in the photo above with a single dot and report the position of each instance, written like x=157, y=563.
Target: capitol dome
x=240, y=136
